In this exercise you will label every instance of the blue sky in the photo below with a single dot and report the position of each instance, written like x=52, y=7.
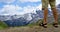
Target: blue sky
x=11, y=7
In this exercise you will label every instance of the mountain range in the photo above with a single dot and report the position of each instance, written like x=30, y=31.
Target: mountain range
x=19, y=20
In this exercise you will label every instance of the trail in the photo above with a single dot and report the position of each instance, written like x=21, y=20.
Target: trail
x=32, y=29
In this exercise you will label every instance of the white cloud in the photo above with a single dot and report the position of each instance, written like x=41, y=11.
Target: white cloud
x=57, y=2
x=39, y=6
x=15, y=9
x=7, y=1
x=29, y=9
x=10, y=9
x=29, y=0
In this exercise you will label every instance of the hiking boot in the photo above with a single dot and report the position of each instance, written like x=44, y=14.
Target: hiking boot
x=55, y=25
x=43, y=25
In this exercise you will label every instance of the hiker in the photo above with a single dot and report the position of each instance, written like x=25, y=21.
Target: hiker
x=54, y=10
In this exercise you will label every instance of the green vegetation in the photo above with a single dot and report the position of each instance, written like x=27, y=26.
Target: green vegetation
x=59, y=20
x=3, y=25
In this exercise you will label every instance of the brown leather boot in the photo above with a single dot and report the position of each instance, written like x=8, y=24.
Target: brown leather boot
x=55, y=25
x=43, y=25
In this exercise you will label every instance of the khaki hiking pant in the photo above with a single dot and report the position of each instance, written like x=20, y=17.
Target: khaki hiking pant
x=46, y=2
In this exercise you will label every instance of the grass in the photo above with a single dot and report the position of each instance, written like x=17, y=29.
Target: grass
x=3, y=25
x=32, y=28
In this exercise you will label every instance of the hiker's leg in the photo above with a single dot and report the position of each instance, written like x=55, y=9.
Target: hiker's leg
x=55, y=15
x=54, y=10
x=45, y=15
x=45, y=8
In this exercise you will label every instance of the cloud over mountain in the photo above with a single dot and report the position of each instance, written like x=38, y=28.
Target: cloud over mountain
x=29, y=0
x=7, y=1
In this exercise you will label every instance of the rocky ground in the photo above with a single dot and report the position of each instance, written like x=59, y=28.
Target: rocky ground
x=32, y=29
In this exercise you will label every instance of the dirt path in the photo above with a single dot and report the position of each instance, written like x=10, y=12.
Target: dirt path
x=32, y=29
